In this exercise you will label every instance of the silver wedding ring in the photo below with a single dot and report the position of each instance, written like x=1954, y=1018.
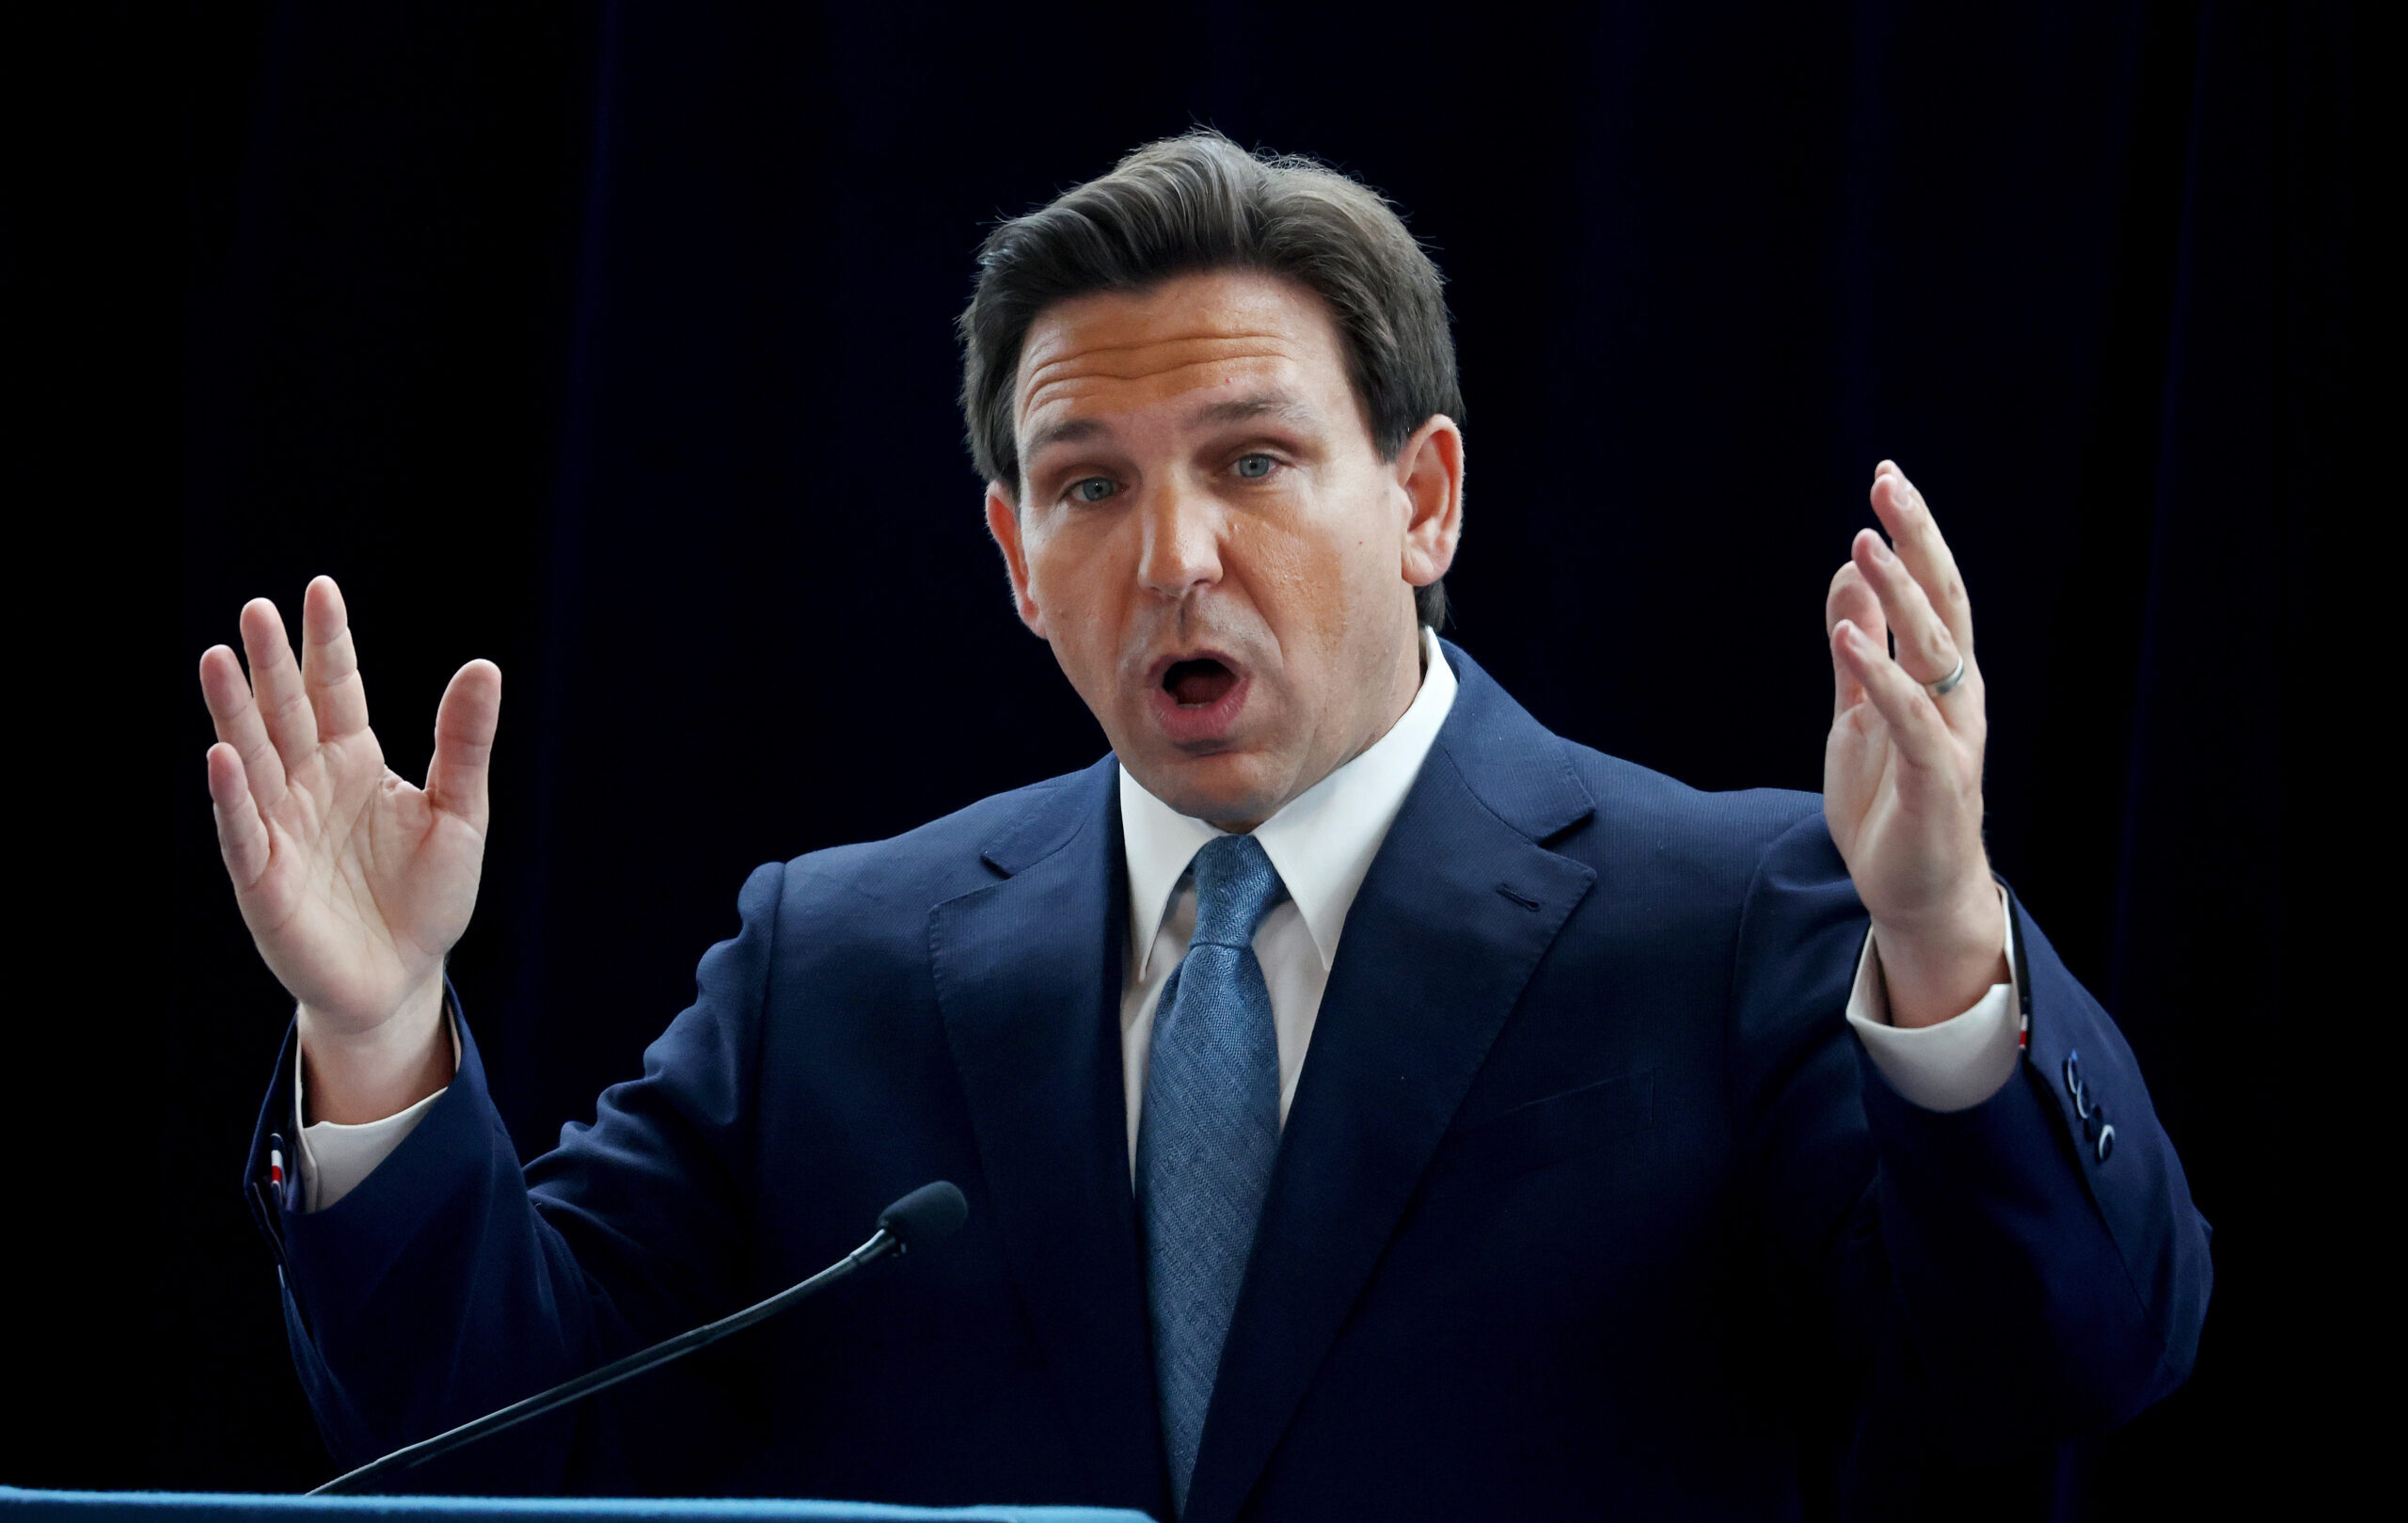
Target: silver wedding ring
x=1948, y=684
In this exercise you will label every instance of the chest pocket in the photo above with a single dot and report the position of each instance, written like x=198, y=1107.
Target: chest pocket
x=1554, y=1129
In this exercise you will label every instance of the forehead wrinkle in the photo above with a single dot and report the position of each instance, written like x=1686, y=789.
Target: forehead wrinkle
x=1243, y=336
x=1043, y=393
x=1271, y=403
x=1092, y=360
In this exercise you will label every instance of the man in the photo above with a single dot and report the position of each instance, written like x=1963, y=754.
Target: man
x=1369, y=1102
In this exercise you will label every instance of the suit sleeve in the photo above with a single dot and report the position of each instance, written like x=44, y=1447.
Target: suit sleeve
x=449, y=1282
x=1992, y=1277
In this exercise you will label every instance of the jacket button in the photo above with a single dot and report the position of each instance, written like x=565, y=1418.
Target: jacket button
x=2073, y=1074
x=2106, y=1142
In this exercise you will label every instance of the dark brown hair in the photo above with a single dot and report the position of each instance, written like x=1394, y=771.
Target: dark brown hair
x=1200, y=203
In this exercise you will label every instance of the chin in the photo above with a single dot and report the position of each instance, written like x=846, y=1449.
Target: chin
x=1225, y=787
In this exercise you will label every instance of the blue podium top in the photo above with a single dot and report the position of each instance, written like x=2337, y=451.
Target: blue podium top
x=18, y=1506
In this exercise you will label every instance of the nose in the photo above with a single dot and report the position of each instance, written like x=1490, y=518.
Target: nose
x=1182, y=554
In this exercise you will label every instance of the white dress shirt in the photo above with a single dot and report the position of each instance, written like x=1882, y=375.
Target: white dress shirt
x=1321, y=843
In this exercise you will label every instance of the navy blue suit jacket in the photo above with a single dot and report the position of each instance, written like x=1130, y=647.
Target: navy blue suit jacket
x=1588, y=1196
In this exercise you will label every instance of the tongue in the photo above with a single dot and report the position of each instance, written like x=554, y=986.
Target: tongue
x=1196, y=683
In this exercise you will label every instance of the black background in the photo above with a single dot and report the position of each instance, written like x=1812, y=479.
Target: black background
x=615, y=346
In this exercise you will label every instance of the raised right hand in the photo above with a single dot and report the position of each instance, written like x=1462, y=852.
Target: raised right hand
x=353, y=883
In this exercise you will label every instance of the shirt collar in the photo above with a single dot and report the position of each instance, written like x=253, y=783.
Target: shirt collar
x=1321, y=843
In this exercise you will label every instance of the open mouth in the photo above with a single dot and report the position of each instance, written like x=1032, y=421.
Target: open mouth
x=1198, y=684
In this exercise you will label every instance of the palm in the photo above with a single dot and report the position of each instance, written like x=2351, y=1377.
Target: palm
x=367, y=884
x=354, y=882
x=1895, y=822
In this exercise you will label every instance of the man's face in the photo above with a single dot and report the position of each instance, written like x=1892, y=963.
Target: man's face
x=1210, y=543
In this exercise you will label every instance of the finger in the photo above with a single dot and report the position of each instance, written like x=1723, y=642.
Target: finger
x=330, y=662
x=275, y=683
x=1925, y=648
x=463, y=730
x=236, y=716
x=1917, y=540
x=242, y=835
x=1916, y=723
x=1850, y=598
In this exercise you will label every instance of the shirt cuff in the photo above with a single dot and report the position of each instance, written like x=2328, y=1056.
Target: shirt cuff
x=334, y=1158
x=1952, y=1066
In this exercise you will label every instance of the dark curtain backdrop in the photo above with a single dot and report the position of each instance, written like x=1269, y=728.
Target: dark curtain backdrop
x=615, y=346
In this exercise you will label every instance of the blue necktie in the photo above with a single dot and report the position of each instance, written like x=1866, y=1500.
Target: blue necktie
x=1207, y=1135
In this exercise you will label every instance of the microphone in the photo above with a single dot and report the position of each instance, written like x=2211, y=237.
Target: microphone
x=924, y=1217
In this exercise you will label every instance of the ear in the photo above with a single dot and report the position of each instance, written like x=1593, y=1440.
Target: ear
x=1429, y=472
x=1003, y=522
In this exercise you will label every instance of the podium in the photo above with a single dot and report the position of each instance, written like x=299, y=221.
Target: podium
x=18, y=1506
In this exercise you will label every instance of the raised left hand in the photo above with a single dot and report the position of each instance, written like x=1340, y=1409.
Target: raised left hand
x=1902, y=772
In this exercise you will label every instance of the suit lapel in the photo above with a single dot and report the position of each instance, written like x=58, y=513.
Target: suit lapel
x=1026, y=973
x=1458, y=909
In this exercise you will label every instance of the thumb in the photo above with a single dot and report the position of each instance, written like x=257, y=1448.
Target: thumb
x=1849, y=601
x=464, y=723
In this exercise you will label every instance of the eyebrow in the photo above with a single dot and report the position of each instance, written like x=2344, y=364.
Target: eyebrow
x=1278, y=404
x=1073, y=431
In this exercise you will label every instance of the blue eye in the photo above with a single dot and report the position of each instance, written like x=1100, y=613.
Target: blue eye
x=1093, y=489
x=1253, y=468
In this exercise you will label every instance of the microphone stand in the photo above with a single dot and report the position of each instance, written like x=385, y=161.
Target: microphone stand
x=883, y=1242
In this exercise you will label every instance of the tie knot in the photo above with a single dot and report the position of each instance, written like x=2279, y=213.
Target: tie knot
x=1235, y=887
